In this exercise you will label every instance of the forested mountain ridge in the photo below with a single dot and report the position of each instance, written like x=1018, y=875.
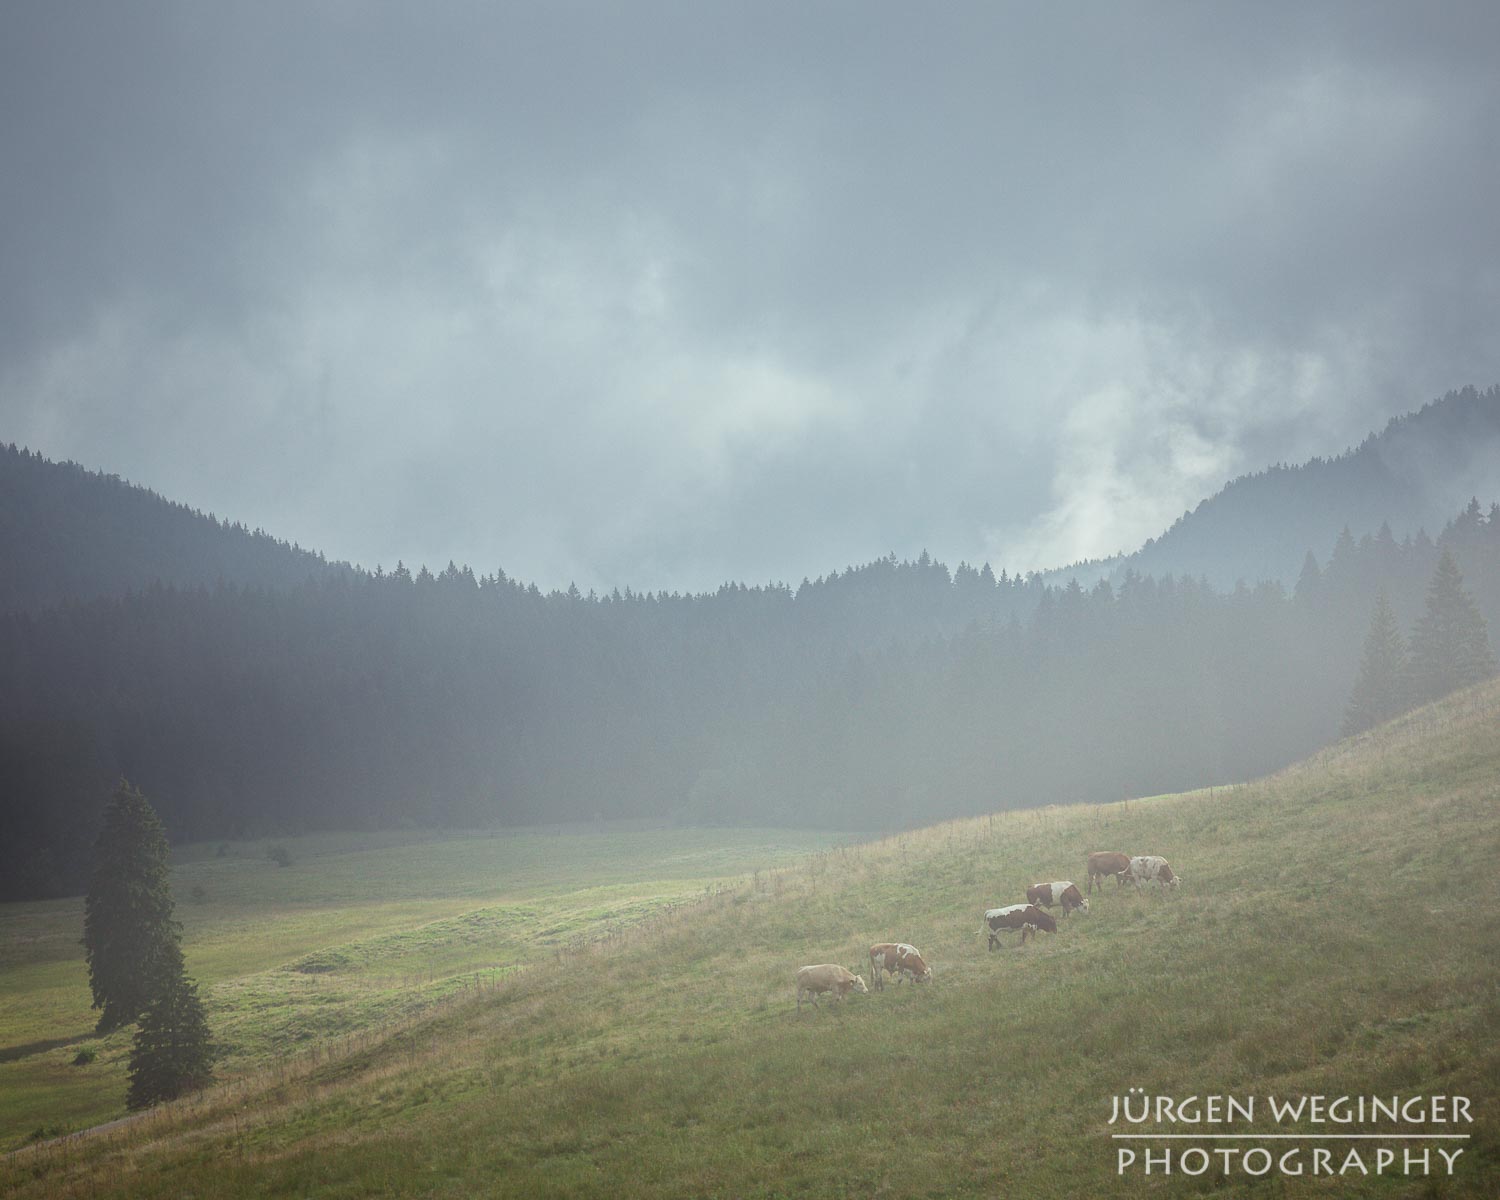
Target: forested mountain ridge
x=68, y=533
x=391, y=700
x=1413, y=475
x=883, y=696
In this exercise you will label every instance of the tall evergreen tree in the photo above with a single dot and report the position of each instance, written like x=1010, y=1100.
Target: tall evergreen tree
x=1309, y=581
x=1380, y=691
x=171, y=1052
x=1450, y=646
x=128, y=929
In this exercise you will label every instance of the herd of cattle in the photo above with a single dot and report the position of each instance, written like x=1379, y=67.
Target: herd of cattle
x=905, y=962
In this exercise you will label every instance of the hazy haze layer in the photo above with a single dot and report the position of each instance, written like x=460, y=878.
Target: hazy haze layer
x=662, y=295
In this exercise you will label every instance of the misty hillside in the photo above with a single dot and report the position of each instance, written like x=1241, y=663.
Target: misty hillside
x=1412, y=476
x=879, y=697
x=68, y=533
x=1316, y=946
x=400, y=700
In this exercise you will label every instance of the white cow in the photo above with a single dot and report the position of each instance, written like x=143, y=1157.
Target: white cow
x=1151, y=868
x=828, y=977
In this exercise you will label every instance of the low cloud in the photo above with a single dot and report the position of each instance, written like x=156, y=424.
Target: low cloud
x=665, y=298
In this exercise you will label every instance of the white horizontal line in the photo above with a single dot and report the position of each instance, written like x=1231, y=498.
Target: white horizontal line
x=1268, y=1136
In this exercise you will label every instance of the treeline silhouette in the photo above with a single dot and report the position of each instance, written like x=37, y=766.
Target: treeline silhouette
x=67, y=533
x=886, y=695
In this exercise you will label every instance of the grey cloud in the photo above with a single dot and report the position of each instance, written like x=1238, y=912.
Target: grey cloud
x=664, y=294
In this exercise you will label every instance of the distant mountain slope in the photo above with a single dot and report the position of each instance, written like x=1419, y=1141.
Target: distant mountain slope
x=67, y=533
x=1415, y=474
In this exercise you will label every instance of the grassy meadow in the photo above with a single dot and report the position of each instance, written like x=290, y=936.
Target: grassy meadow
x=1336, y=931
x=359, y=934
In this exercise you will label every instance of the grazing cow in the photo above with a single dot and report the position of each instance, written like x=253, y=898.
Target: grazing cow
x=1151, y=868
x=828, y=977
x=1028, y=918
x=900, y=960
x=1107, y=862
x=1064, y=892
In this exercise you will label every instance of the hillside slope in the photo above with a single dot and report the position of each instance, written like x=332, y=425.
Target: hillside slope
x=1413, y=475
x=1334, y=933
x=67, y=533
x=359, y=933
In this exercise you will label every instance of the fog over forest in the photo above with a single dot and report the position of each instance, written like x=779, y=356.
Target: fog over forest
x=563, y=564
x=473, y=415
x=289, y=694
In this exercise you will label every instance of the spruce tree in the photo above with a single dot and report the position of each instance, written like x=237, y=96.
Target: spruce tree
x=1380, y=691
x=1309, y=582
x=128, y=929
x=1450, y=646
x=172, y=1052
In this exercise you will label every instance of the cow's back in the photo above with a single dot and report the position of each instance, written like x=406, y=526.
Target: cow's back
x=899, y=958
x=1152, y=868
x=823, y=976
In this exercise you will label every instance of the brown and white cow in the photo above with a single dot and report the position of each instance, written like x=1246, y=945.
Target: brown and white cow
x=1063, y=892
x=828, y=977
x=1151, y=868
x=1107, y=862
x=901, y=960
x=1028, y=918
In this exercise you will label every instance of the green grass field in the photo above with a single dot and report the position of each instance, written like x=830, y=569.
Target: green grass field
x=1336, y=932
x=358, y=935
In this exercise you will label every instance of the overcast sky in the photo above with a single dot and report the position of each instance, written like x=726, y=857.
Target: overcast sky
x=663, y=295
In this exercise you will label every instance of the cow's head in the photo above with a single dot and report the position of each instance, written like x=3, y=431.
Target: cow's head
x=1082, y=905
x=924, y=975
x=859, y=986
x=1043, y=920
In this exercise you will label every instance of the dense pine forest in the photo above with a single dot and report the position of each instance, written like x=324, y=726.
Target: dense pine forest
x=287, y=695
x=888, y=695
x=67, y=533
